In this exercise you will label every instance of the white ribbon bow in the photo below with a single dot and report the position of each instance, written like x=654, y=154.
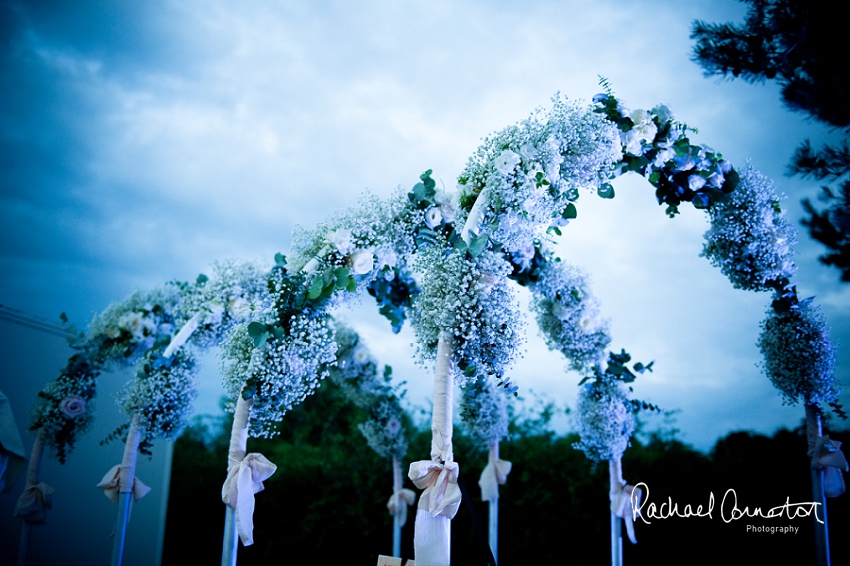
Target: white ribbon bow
x=828, y=458
x=114, y=482
x=621, y=505
x=243, y=481
x=494, y=474
x=397, y=505
x=441, y=495
x=34, y=502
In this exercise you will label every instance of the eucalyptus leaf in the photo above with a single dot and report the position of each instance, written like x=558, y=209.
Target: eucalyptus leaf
x=606, y=191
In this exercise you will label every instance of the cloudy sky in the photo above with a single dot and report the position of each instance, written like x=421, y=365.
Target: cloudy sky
x=140, y=142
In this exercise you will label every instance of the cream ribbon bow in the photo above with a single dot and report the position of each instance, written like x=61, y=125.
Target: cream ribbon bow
x=397, y=505
x=828, y=458
x=495, y=473
x=244, y=479
x=621, y=505
x=115, y=481
x=441, y=495
x=34, y=502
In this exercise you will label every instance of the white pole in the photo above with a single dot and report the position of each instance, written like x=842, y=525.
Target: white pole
x=33, y=469
x=396, y=521
x=235, y=455
x=126, y=478
x=615, y=472
x=813, y=431
x=494, y=510
x=432, y=534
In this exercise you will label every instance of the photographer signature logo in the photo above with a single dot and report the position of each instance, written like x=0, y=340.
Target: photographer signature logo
x=646, y=510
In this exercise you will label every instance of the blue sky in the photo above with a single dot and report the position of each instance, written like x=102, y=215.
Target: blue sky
x=140, y=142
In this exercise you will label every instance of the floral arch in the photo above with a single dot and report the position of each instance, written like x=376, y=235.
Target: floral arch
x=518, y=190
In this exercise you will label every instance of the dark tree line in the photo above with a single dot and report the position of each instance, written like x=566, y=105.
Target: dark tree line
x=327, y=500
x=803, y=45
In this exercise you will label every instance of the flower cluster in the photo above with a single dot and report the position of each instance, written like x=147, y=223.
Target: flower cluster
x=162, y=393
x=236, y=292
x=63, y=408
x=126, y=330
x=525, y=177
x=568, y=315
x=655, y=145
x=799, y=358
x=750, y=240
x=278, y=372
x=605, y=419
x=356, y=370
x=471, y=302
x=355, y=247
x=384, y=430
x=485, y=413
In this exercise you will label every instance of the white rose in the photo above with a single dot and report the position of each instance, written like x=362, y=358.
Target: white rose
x=341, y=239
x=663, y=112
x=73, y=406
x=386, y=257
x=393, y=426
x=361, y=262
x=239, y=307
x=559, y=312
x=360, y=355
x=506, y=162
x=525, y=251
x=528, y=152
x=448, y=210
x=214, y=313
x=433, y=217
x=696, y=182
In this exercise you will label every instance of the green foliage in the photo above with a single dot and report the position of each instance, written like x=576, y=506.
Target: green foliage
x=327, y=499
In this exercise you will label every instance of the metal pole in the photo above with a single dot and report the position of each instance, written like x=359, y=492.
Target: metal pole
x=235, y=454
x=126, y=479
x=230, y=542
x=615, y=472
x=813, y=432
x=23, y=545
x=396, y=522
x=494, y=528
x=493, y=535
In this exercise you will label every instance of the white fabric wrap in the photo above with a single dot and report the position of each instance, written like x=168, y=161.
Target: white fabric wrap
x=397, y=505
x=440, y=499
x=36, y=498
x=121, y=478
x=495, y=473
x=621, y=496
x=825, y=454
x=401, y=497
x=245, y=474
x=183, y=335
x=473, y=221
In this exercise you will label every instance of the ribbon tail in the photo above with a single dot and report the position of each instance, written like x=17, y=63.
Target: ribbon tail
x=630, y=527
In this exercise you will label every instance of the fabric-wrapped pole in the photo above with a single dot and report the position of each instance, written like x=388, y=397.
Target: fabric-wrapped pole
x=245, y=476
x=120, y=485
x=623, y=498
x=495, y=473
x=813, y=434
x=35, y=500
x=440, y=499
x=397, y=506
